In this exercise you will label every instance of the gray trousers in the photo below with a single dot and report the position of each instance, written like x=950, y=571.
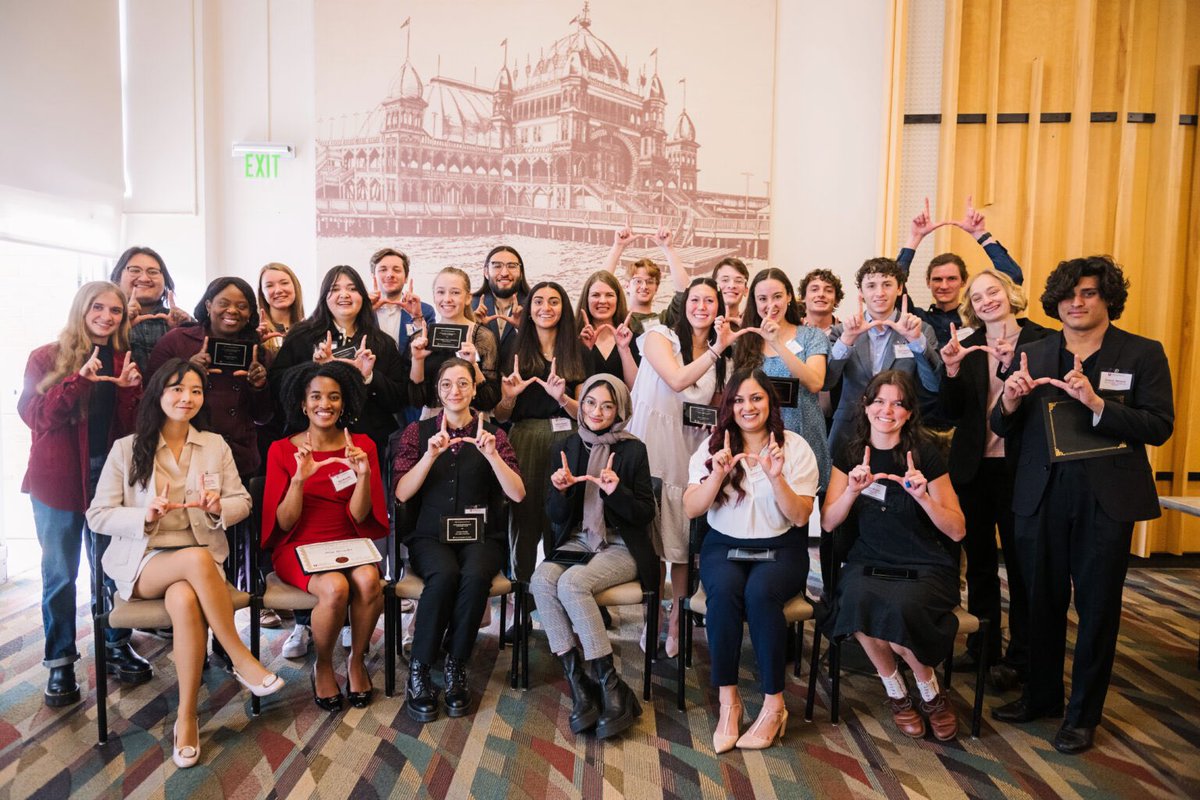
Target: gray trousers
x=566, y=600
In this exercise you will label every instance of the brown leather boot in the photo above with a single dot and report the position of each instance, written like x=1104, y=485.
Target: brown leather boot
x=942, y=718
x=906, y=717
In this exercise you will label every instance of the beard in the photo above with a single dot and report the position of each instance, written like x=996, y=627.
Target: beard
x=503, y=294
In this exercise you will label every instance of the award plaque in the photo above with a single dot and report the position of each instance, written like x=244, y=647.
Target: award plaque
x=462, y=530
x=1070, y=434
x=443, y=336
x=342, y=554
x=227, y=355
x=697, y=415
x=787, y=390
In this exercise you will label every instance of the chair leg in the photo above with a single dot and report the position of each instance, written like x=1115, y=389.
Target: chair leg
x=797, y=647
x=685, y=619
x=651, y=600
x=389, y=642
x=685, y=650
x=255, y=647
x=814, y=664
x=948, y=670
x=101, y=679
x=835, y=672
x=504, y=622
x=524, y=625
x=977, y=711
x=515, y=659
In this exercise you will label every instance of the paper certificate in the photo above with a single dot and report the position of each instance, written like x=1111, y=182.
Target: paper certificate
x=342, y=554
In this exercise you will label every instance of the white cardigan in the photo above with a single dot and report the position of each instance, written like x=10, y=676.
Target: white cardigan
x=119, y=510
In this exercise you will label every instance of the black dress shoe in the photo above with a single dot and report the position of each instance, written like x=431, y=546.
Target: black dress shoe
x=420, y=695
x=1073, y=741
x=127, y=665
x=333, y=703
x=458, y=689
x=1002, y=678
x=1019, y=711
x=61, y=688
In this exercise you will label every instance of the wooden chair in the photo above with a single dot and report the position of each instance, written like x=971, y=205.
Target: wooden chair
x=967, y=624
x=796, y=611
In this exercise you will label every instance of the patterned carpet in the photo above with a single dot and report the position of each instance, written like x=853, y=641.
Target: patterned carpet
x=518, y=744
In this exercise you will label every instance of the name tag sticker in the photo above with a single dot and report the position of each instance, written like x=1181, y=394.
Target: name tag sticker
x=480, y=511
x=903, y=351
x=411, y=328
x=343, y=479
x=212, y=482
x=559, y=424
x=964, y=333
x=876, y=491
x=1116, y=381
x=794, y=347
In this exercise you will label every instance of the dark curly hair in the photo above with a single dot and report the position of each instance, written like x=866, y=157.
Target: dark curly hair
x=295, y=385
x=827, y=276
x=1114, y=286
x=725, y=422
x=912, y=435
x=880, y=266
x=150, y=417
x=249, y=331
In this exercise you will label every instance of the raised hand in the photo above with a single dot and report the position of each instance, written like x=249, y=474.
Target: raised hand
x=608, y=480
x=209, y=502
x=856, y=325
x=129, y=377
x=922, y=226
x=561, y=478
x=323, y=352
x=972, y=222
x=772, y=462
x=913, y=480
x=726, y=335
x=1078, y=386
x=513, y=384
x=306, y=466
x=861, y=476
x=440, y=441
x=622, y=237
x=587, y=334
x=364, y=359
x=91, y=368
x=723, y=461
x=202, y=359
x=356, y=457
x=409, y=301
x=769, y=331
x=906, y=324
x=375, y=296
x=1020, y=383
x=467, y=351
x=624, y=333
x=419, y=347
x=484, y=441
x=663, y=237
x=133, y=310
x=176, y=316
x=481, y=314
x=954, y=353
x=554, y=384
x=1004, y=347
x=158, y=506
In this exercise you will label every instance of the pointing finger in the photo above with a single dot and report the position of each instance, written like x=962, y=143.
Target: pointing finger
x=583, y=313
x=1024, y=362
x=254, y=354
x=727, y=440
x=926, y=206
x=866, y=457
x=904, y=305
x=611, y=456
x=953, y=333
x=444, y=422
x=1078, y=364
x=553, y=367
x=911, y=467
x=566, y=468
x=479, y=427
x=516, y=368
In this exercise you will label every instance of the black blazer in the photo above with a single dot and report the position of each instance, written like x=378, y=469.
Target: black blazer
x=628, y=511
x=1123, y=484
x=963, y=400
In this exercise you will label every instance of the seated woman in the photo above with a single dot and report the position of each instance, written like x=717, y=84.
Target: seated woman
x=899, y=588
x=460, y=467
x=603, y=505
x=756, y=482
x=323, y=485
x=166, y=496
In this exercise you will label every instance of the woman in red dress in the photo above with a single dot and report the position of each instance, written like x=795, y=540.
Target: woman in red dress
x=324, y=485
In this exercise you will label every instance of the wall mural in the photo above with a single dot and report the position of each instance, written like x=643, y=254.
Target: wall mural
x=447, y=128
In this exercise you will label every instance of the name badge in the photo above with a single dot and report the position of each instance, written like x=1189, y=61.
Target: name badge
x=343, y=479
x=1116, y=381
x=964, y=333
x=461, y=530
x=876, y=491
x=211, y=482
x=477, y=511
x=559, y=424
x=411, y=328
x=903, y=351
x=794, y=347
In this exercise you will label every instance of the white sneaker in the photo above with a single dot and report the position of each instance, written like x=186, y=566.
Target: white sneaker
x=296, y=644
x=346, y=637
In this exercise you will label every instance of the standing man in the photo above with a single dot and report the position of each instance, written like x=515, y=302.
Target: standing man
x=1074, y=518
x=947, y=273
x=499, y=301
x=398, y=310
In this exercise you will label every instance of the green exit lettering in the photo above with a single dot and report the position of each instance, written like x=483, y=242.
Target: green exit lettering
x=262, y=165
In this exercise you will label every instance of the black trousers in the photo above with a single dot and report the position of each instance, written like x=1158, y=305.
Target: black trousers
x=742, y=592
x=1072, y=542
x=457, y=579
x=986, y=503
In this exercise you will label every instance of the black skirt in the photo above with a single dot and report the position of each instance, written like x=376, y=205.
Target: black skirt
x=917, y=614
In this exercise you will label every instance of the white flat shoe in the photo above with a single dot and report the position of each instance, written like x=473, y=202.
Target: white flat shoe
x=185, y=756
x=270, y=684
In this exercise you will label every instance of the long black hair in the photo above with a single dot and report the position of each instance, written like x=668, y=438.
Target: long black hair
x=249, y=331
x=321, y=319
x=568, y=351
x=150, y=417
x=912, y=435
x=683, y=328
x=295, y=386
x=726, y=423
x=168, y=281
x=522, y=287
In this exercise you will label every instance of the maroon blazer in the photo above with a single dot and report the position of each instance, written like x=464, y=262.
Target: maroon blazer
x=58, y=455
x=235, y=409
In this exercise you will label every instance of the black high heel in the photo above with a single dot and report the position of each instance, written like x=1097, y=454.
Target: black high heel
x=331, y=704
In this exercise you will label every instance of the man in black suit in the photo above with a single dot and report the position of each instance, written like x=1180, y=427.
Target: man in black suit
x=1074, y=519
x=499, y=301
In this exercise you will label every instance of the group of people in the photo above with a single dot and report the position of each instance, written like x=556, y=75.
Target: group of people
x=486, y=423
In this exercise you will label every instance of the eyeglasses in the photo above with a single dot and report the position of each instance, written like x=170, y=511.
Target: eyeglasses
x=462, y=385
x=508, y=265
x=605, y=408
x=137, y=272
x=738, y=281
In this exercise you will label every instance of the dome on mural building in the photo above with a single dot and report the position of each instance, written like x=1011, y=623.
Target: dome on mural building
x=407, y=84
x=656, y=89
x=458, y=111
x=581, y=52
x=504, y=80
x=685, y=129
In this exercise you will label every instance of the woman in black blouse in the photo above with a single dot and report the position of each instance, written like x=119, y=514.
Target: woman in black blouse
x=899, y=588
x=603, y=326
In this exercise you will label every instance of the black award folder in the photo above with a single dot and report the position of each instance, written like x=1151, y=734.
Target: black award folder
x=1070, y=434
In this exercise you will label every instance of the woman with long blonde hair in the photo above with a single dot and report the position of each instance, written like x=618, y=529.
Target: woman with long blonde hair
x=81, y=392
x=280, y=303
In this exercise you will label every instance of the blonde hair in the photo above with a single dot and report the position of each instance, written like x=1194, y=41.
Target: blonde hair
x=75, y=343
x=468, y=312
x=1016, y=296
x=652, y=270
x=296, y=312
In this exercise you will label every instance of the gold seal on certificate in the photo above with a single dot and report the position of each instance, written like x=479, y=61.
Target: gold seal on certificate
x=342, y=554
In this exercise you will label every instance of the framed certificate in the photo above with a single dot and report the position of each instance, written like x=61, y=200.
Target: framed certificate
x=1070, y=434
x=229, y=355
x=788, y=391
x=342, y=554
x=697, y=415
x=443, y=336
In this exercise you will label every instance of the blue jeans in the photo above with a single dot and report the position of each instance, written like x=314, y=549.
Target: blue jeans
x=60, y=534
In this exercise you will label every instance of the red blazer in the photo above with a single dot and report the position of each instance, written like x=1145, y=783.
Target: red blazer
x=58, y=455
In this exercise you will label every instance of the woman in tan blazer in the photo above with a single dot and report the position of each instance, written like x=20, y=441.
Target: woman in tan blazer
x=166, y=496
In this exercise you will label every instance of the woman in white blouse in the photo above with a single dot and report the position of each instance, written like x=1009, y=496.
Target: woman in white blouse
x=166, y=496
x=757, y=483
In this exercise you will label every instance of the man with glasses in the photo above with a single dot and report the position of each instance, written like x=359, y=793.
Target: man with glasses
x=732, y=278
x=150, y=292
x=499, y=301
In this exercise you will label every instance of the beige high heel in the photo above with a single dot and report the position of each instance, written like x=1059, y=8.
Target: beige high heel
x=766, y=730
x=185, y=756
x=731, y=717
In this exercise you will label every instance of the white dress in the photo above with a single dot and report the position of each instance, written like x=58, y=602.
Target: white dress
x=657, y=419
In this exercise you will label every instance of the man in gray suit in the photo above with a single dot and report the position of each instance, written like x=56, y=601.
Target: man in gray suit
x=879, y=337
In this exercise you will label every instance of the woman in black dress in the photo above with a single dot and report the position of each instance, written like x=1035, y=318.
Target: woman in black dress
x=899, y=588
x=603, y=324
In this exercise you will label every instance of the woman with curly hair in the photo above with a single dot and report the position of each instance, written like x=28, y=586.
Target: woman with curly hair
x=756, y=482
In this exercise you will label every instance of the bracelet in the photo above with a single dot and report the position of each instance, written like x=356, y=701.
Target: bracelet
x=716, y=356
x=984, y=237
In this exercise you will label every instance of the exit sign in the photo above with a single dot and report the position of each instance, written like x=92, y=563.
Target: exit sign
x=261, y=165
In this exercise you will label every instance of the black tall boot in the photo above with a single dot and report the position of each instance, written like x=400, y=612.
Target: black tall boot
x=61, y=688
x=619, y=702
x=420, y=695
x=585, y=707
x=458, y=690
